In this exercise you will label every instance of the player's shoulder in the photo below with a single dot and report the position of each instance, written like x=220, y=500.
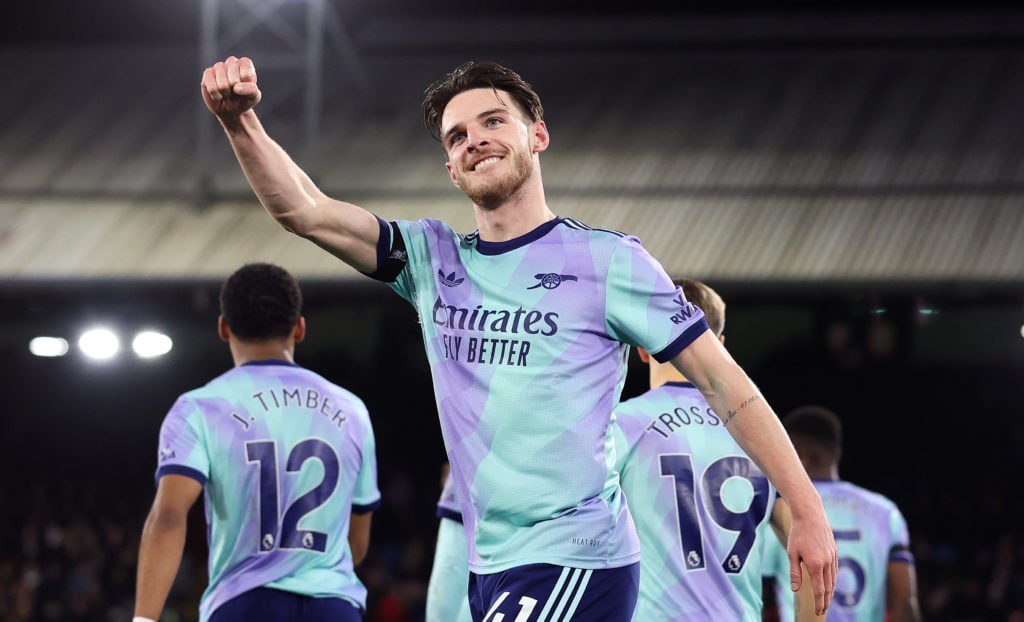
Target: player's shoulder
x=430, y=227
x=864, y=496
x=881, y=501
x=216, y=388
x=350, y=397
x=197, y=402
x=604, y=245
x=671, y=392
x=572, y=228
x=341, y=393
x=219, y=393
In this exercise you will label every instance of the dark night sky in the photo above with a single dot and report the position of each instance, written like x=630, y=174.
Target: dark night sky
x=61, y=22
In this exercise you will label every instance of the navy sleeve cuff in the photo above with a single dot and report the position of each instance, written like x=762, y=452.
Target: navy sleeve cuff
x=358, y=508
x=449, y=514
x=177, y=469
x=689, y=336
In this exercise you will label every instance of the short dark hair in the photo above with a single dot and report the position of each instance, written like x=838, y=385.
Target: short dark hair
x=261, y=301
x=817, y=426
x=477, y=75
x=709, y=302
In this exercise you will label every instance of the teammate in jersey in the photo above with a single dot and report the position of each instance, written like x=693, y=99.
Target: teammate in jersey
x=876, y=580
x=700, y=504
x=526, y=324
x=449, y=575
x=287, y=463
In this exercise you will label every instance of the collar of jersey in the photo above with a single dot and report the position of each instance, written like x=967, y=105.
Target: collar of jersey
x=497, y=248
x=270, y=362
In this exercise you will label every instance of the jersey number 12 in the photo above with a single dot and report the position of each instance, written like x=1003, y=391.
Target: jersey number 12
x=291, y=537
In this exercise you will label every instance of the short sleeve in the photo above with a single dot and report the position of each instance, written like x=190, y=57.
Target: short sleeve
x=417, y=251
x=366, y=496
x=644, y=307
x=182, y=449
x=900, y=549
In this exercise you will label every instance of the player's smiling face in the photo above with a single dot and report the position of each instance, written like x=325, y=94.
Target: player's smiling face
x=490, y=145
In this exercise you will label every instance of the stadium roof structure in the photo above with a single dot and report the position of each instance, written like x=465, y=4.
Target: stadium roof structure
x=804, y=147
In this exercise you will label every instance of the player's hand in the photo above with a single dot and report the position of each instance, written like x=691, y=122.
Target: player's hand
x=229, y=87
x=811, y=542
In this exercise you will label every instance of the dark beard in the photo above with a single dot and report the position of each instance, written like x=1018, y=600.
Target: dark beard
x=491, y=198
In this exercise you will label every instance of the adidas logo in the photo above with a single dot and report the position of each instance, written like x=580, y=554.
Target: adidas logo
x=450, y=280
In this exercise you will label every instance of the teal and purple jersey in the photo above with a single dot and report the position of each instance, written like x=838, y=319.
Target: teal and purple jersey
x=448, y=505
x=870, y=534
x=700, y=506
x=527, y=342
x=284, y=457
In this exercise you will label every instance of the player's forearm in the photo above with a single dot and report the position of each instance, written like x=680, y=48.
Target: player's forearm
x=282, y=187
x=906, y=611
x=160, y=550
x=749, y=418
x=295, y=202
x=759, y=432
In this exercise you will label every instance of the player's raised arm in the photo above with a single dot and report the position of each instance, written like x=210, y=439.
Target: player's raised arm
x=753, y=424
x=347, y=231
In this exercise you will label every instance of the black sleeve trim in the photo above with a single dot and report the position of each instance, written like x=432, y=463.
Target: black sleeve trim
x=449, y=514
x=689, y=336
x=180, y=469
x=365, y=508
x=391, y=253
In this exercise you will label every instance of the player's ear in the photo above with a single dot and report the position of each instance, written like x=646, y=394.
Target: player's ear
x=299, y=332
x=539, y=137
x=222, y=329
x=721, y=338
x=451, y=174
x=644, y=355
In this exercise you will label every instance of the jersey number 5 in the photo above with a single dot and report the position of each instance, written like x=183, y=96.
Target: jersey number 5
x=680, y=468
x=849, y=595
x=265, y=454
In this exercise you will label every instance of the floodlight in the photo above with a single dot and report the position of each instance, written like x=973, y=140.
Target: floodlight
x=149, y=344
x=48, y=346
x=99, y=343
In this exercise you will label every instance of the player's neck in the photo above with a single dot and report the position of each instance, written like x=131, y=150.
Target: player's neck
x=519, y=214
x=663, y=373
x=247, y=352
x=823, y=472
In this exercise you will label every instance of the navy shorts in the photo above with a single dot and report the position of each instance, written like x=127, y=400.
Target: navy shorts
x=265, y=603
x=546, y=593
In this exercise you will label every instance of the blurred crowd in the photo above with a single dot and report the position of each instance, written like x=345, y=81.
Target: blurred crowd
x=69, y=549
